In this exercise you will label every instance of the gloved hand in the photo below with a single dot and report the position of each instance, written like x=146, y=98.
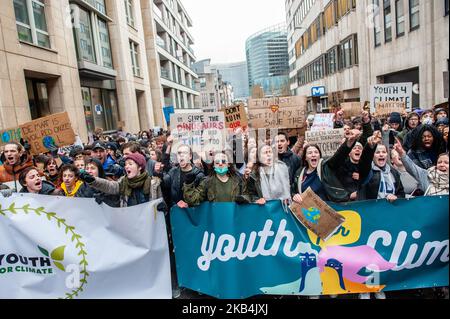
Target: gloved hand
x=242, y=200
x=99, y=198
x=162, y=207
x=86, y=177
x=189, y=178
x=6, y=192
x=25, y=145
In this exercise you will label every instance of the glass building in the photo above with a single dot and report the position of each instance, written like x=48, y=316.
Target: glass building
x=268, y=60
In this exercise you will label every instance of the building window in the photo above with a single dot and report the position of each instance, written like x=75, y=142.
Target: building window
x=331, y=60
x=134, y=52
x=104, y=44
x=446, y=7
x=129, y=12
x=97, y=4
x=387, y=21
x=400, y=18
x=376, y=23
x=414, y=19
x=84, y=37
x=31, y=23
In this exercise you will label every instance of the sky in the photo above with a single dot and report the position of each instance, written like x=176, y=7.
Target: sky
x=221, y=27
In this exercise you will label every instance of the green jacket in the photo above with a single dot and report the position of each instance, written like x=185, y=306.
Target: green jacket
x=207, y=190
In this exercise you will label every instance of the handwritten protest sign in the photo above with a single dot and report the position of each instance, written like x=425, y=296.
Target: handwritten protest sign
x=386, y=108
x=317, y=216
x=351, y=109
x=47, y=132
x=323, y=121
x=392, y=92
x=201, y=131
x=235, y=117
x=288, y=117
x=10, y=135
x=329, y=141
x=277, y=112
x=281, y=102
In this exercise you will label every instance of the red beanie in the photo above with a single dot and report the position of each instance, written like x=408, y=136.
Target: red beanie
x=138, y=158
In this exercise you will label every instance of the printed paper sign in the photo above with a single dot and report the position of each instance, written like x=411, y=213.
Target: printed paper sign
x=323, y=122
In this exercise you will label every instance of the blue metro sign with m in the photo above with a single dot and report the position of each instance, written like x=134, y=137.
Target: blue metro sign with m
x=317, y=91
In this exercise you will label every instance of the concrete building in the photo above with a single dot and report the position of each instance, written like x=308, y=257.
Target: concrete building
x=96, y=59
x=237, y=75
x=215, y=93
x=267, y=60
x=347, y=46
x=169, y=54
x=38, y=64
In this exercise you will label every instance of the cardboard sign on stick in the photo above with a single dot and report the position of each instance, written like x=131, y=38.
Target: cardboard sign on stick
x=316, y=215
x=48, y=132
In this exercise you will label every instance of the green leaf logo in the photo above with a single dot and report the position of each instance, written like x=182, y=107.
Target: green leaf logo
x=58, y=253
x=59, y=266
x=45, y=252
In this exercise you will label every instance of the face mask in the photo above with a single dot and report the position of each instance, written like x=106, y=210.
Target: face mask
x=428, y=121
x=221, y=171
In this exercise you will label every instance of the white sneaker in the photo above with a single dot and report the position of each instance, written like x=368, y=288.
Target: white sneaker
x=380, y=295
x=176, y=293
x=333, y=296
x=314, y=297
x=364, y=296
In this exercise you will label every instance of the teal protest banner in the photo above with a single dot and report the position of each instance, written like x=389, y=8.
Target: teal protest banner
x=236, y=251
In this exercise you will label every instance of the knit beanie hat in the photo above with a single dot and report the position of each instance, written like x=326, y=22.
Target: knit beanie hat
x=138, y=158
x=395, y=117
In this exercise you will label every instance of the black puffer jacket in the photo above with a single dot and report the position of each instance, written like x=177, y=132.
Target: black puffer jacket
x=292, y=161
x=172, y=187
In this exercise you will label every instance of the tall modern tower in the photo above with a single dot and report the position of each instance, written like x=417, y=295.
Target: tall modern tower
x=268, y=60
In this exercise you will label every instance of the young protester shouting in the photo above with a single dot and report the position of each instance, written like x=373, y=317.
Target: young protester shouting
x=434, y=180
x=135, y=188
x=427, y=145
x=32, y=182
x=222, y=185
x=71, y=183
x=378, y=179
x=269, y=179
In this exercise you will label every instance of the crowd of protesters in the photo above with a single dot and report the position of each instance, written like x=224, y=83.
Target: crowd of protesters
x=401, y=156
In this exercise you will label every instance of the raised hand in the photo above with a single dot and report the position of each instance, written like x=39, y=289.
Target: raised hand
x=399, y=148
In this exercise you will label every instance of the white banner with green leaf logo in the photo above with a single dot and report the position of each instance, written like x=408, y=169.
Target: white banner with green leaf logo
x=56, y=247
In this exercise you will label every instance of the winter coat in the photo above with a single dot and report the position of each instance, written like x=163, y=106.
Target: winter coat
x=10, y=173
x=171, y=184
x=292, y=161
x=370, y=179
x=137, y=197
x=86, y=191
x=430, y=181
x=206, y=190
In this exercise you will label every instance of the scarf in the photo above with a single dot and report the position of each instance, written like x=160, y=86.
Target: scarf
x=438, y=182
x=387, y=185
x=141, y=181
x=275, y=182
x=74, y=190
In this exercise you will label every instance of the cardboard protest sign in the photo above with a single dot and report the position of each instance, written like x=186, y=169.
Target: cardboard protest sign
x=10, y=135
x=323, y=121
x=199, y=130
x=280, y=101
x=282, y=118
x=235, y=116
x=392, y=92
x=386, y=108
x=48, y=132
x=329, y=141
x=351, y=109
x=316, y=215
